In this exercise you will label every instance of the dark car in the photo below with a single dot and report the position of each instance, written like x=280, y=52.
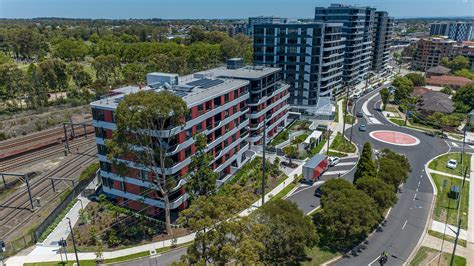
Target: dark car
x=360, y=114
x=318, y=192
x=430, y=133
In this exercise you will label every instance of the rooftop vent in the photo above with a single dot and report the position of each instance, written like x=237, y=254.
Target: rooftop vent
x=235, y=63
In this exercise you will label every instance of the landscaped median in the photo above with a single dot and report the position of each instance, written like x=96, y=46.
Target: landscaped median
x=342, y=145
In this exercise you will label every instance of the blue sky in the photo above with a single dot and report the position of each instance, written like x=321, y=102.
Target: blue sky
x=219, y=8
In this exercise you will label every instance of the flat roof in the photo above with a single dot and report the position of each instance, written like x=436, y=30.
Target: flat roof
x=192, y=95
x=314, y=161
x=245, y=72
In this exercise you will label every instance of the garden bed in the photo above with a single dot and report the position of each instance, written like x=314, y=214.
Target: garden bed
x=341, y=144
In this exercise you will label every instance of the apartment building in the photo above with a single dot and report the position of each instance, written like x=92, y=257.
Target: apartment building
x=382, y=41
x=262, y=20
x=218, y=109
x=429, y=52
x=268, y=97
x=357, y=29
x=458, y=31
x=311, y=57
x=221, y=103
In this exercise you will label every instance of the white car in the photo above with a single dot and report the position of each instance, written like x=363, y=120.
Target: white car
x=452, y=164
x=334, y=160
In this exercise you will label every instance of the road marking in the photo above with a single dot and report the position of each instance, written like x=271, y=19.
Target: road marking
x=403, y=227
x=374, y=260
x=419, y=182
x=454, y=144
x=471, y=146
x=345, y=163
x=414, y=196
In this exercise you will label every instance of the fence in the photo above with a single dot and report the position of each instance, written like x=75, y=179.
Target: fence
x=16, y=245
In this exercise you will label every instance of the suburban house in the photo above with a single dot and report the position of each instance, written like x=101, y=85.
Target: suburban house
x=419, y=91
x=435, y=101
x=453, y=82
x=437, y=71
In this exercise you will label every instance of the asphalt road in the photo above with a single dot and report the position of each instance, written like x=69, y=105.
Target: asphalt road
x=407, y=219
x=160, y=260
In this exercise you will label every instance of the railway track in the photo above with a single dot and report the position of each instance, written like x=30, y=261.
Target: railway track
x=39, y=155
x=14, y=212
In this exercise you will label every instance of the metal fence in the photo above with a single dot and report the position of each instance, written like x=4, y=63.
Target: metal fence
x=14, y=246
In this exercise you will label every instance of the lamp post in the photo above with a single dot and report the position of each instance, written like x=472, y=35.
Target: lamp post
x=263, y=160
x=73, y=241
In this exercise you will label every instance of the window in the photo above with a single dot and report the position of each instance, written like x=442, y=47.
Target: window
x=143, y=174
x=102, y=149
x=98, y=114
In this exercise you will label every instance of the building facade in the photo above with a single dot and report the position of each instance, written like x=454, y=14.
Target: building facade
x=262, y=20
x=382, y=41
x=311, y=57
x=429, y=52
x=358, y=27
x=458, y=31
x=218, y=107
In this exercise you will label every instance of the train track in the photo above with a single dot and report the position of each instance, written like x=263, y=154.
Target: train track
x=39, y=155
x=15, y=212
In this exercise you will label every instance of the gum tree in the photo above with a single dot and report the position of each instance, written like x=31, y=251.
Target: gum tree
x=141, y=117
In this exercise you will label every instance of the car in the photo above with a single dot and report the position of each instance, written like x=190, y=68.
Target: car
x=360, y=114
x=363, y=127
x=430, y=133
x=318, y=192
x=452, y=164
x=333, y=160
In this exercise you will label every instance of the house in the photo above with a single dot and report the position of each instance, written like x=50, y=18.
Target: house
x=453, y=82
x=435, y=101
x=419, y=91
x=437, y=71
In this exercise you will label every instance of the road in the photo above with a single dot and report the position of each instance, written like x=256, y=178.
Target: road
x=162, y=259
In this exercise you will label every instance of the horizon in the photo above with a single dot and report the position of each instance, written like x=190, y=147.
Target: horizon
x=215, y=9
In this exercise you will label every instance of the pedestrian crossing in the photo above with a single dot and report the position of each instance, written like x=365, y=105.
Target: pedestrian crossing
x=459, y=145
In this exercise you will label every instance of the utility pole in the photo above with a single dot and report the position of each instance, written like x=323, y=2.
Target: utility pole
x=329, y=135
x=352, y=125
x=455, y=243
x=27, y=181
x=263, y=161
x=73, y=241
x=66, y=145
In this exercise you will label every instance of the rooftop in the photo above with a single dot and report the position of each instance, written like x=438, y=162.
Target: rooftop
x=439, y=70
x=246, y=72
x=192, y=90
x=436, y=101
x=448, y=80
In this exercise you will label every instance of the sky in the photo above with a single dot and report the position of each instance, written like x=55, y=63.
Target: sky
x=168, y=9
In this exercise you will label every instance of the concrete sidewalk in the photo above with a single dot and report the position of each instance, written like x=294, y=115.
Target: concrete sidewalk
x=470, y=221
x=450, y=230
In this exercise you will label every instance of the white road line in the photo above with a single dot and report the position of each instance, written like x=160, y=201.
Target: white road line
x=335, y=172
x=419, y=182
x=414, y=196
x=471, y=146
x=403, y=227
x=374, y=260
x=346, y=163
x=416, y=190
x=454, y=144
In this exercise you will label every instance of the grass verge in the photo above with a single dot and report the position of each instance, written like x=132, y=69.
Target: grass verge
x=342, y=144
x=425, y=254
x=451, y=239
x=445, y=207
x=439, y=164
x=397, y=121
x=318, y=255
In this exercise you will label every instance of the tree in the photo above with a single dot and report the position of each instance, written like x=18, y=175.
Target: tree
x=403, y=87
x=70, y=49
x=139, y=116
x=5, y=58
x=464, y=98
x=230, y=48
x=335, y=185
x=134, y=73
x=384, y=94
x=286, y=224
x=393, y=167
x=53, y=75
x=465, y=73
x=106, y=68
x=202, y=179
x=383, y=194
x=348, y=215
x=459, y=62
x=28, y=44
x=80, y=77
x=416, y=79
x=291, y=151
x=365, y=165
x=447, y=90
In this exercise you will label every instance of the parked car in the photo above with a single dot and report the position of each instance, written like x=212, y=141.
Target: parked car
x=452, y=164
x=334, y=160
x=363, y=127
x=318, y=192
x=360, y=114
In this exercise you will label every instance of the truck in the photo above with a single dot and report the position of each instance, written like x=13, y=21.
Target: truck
x=315, y=167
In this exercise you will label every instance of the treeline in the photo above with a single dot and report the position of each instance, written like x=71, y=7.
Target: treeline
x=87, y=64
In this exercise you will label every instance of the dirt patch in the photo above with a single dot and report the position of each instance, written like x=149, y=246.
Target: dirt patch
x=28, y=121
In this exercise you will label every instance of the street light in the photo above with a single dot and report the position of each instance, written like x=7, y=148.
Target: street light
x=73, y=240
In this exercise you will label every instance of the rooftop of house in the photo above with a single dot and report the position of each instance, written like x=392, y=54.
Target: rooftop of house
x=435, y=101
x=439, y=70
x=448, y=80
x=420, y=91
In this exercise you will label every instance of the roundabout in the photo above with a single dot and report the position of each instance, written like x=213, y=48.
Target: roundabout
x=394, y=138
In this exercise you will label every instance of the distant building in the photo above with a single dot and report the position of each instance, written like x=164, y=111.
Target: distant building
x=458, y=31
x=262, y=20
x=311, y=57
x=358, y=29
x=465, y=49
x=435, y=101
x=382, y=41
x=429, y=52
x=236, y=29
x=453, y=82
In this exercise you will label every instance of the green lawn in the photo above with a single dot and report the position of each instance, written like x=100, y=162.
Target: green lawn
x=397, y=121
x=287, y=189
x=336, y=117
x=280, y=138
x=319, y=255
x=445, y=206
x=318, y=148
x=350, y=119
x=425, y=254
x=342, y=144
x=440, y=163
x=299, y=125
x=337, y=154
x=451, y=239
x=392, y=109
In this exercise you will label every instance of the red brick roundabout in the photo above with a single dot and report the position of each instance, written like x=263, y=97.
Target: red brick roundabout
x=394, y=138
